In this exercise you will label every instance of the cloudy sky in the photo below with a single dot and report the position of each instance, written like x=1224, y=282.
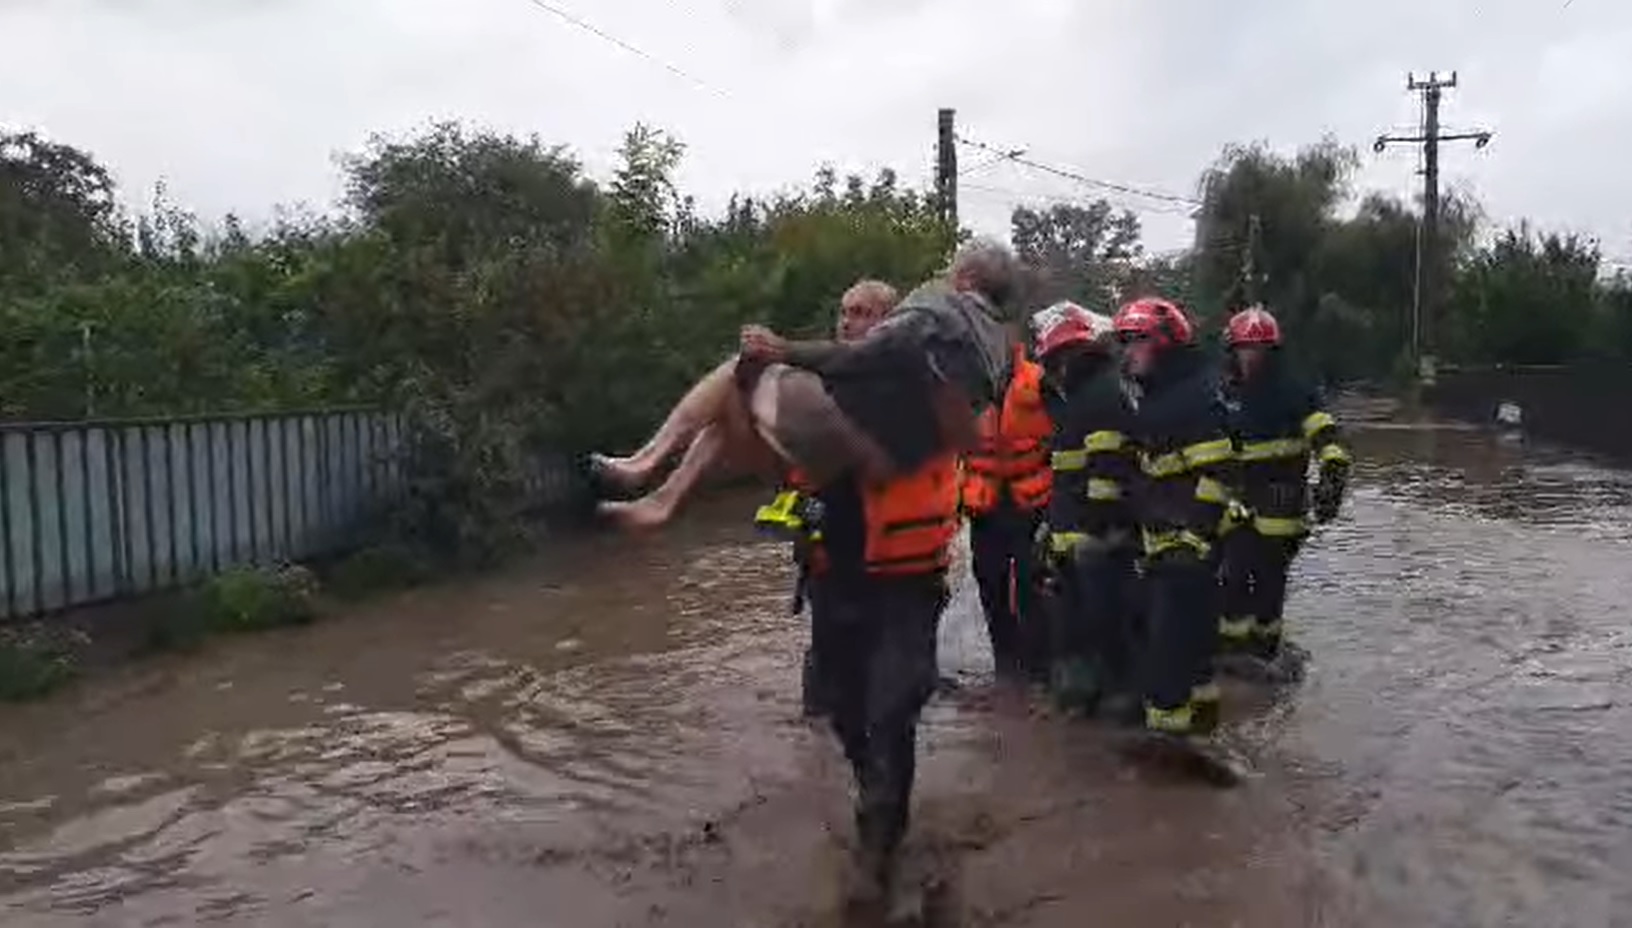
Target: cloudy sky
x=242, y=104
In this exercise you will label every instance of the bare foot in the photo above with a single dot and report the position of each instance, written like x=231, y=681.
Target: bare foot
x=621, y=473
x=645, y=513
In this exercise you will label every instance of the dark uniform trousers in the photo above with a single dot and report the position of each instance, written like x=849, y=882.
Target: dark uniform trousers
x=873, y=648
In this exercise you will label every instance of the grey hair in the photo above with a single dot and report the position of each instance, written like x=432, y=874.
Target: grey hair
x=989, y=266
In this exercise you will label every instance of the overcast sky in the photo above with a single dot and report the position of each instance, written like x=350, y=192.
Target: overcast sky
x=241, y=104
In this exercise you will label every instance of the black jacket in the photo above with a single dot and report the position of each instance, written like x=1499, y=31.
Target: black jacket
x=1278, y=422
x=1093, y=460
x=1181, y=427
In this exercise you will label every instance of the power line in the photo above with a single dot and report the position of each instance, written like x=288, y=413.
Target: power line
x=596, y=31
x=1146, y=208
x=1080, y=178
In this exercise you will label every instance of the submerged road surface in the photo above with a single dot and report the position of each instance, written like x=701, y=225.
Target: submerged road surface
x=610, y=737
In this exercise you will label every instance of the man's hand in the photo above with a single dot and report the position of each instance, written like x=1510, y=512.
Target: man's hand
x=762, y=344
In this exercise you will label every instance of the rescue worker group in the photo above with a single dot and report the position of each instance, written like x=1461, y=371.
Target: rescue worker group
x=1133, y=511
x=1133, y=507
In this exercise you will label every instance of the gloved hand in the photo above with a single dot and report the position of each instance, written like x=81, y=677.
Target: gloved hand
x=1328, y=494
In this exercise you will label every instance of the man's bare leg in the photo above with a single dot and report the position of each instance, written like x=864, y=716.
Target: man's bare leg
x=703, y=404
x=706, y=453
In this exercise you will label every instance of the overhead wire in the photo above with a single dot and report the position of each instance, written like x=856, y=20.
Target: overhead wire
x=1079, y=177
x=595, y=30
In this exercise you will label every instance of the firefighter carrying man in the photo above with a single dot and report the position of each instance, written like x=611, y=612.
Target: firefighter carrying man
x=1185, y=456
x=1279, y=424
x=1089, y=536
x=1006, y=486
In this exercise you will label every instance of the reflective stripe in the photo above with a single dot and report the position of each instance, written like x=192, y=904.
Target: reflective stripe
x=1335, y=453
x=1238, y=629
x=1276, y=527
x=1160, y=542
x=1315, y=421
x=1063, y=461
x=779, y=512
x=1163, y=465
x=1205, y=692
x=1176, y=721
x=1209, y=490
x=1273, y=449
x=1103, y=489
x=1103, y=441
x=1207, y=453
x=1066, y=542
x=1267, y=630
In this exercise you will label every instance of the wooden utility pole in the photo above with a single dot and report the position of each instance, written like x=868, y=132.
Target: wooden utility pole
x=1425, y=304
x=946, y=166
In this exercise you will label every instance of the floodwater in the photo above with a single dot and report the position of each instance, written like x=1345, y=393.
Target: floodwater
x=610, y=737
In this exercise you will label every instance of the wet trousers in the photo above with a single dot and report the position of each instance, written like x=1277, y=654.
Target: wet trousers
x=1181, y=638
x=874, y=663
x=1094, y=614
x=1003, y=555
x=1253, y=583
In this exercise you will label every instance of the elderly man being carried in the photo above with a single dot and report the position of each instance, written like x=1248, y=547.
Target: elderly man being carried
x=881, y=406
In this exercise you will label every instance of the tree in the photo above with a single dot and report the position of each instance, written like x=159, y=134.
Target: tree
x=1078, y=252
x=58, y=217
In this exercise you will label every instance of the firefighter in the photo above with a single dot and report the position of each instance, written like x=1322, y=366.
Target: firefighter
x=1006, y=486
x=1090, y=549
x=1185, y=454
x=1279, y=424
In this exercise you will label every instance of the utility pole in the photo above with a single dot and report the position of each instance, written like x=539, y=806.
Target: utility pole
x=946, y=167
x=1425, y=303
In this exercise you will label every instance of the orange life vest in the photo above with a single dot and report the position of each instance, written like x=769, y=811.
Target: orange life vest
x=1012, y=452
x=910, y=520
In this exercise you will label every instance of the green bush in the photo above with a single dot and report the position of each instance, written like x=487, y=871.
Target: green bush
x=33, y=664
x=241, y=599
x=376, y=569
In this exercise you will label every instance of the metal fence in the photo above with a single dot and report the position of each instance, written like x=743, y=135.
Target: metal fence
x=94, y=511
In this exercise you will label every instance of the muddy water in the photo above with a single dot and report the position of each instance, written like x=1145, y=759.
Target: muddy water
x=610, y=737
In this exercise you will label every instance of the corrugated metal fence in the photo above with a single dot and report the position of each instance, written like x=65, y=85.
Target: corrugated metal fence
x=93, y=511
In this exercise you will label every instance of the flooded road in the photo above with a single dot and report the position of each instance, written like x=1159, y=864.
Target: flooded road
x=610, y=736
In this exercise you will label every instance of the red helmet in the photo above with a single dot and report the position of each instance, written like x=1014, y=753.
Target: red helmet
x=1157, y=319
x=1252, y=326
x=1066, y=323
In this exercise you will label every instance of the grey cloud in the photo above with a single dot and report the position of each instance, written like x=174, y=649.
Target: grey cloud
x=241, y=105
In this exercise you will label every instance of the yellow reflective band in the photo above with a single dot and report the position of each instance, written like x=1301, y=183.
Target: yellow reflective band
x=1160, y=542
x=1267, y=630
x=1066, y=542
x=1064, y=461
x=1103, y=441
x=1315, y=421
x=1273, y=449
x=1205, y=692
x=1209, y=490
x=1273, y=527
x=1335, y=453
x=1177, y=721
x=1235, y=628
x=1207, y=453
x=780, y=512
x=1103, y=489
x=1164, y=465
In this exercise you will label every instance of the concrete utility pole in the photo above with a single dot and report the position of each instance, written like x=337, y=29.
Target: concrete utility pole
x=1426, y=301
x=946, y=166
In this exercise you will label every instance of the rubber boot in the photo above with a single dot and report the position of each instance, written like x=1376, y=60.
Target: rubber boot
x=1075, y=685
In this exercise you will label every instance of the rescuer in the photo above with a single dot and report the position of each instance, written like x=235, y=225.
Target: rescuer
x=860, y=308
x=1185, y=453
x=1006, y=481
x=1091, y=543
x=1279, y=424
x=876, y=557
